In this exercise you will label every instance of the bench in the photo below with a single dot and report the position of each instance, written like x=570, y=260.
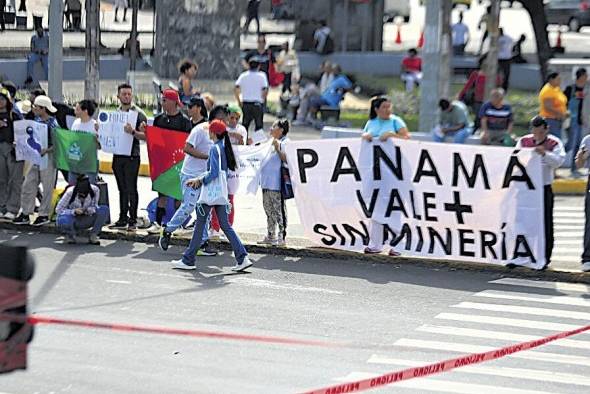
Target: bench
x=329, y=114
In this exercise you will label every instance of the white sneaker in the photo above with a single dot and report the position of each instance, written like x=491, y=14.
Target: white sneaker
x=155, y=228
x=245, y=264
x=180, y=265
x=9, y=216
x=214, y=234
x=268, y=240
x=586, y=266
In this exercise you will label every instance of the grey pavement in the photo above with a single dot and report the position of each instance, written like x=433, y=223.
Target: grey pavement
x=384, y=317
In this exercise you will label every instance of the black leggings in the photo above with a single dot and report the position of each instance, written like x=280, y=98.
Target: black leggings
x=126, y=170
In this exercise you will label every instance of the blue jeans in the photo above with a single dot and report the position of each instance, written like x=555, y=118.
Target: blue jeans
x=459, y=136
x=70, y=223
x=34, y=58
x=554, y=127
x=190, y=197
x=573, y=142
x=188, y=257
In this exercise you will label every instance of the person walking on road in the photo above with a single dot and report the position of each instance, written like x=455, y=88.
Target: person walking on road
x=126, y=167
x=460, y=33
x=39, y=53
x=550, y=148
x=196, y=153
x=576, y=96
x=582, y=160
x=505, y=44
x=553, y=104
x=221, y=160
x=252, y=11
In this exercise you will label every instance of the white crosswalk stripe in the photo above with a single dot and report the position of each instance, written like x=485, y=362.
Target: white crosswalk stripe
x=509, y=311
x=524, y=310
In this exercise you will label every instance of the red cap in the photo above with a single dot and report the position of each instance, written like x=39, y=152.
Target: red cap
x=217, y=126
x=172, y=95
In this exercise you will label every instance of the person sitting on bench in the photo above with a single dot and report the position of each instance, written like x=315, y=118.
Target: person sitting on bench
x=334, y=94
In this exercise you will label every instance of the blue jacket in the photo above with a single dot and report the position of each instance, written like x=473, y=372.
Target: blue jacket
x=213, y=162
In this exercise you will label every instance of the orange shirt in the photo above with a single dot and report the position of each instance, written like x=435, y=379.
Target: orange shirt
x=558, y=100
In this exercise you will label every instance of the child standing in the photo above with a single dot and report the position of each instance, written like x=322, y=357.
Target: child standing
x=270, y=181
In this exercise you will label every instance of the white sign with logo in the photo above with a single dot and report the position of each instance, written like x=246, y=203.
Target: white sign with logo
x=31, y=137
x=111, y=134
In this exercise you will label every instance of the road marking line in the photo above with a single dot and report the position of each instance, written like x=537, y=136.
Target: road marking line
x=562, y=286
x=569, y=208
x=499, y=335
x=508, y=295
x=503, y=321
x=443, y=385
x=529, y=374
x=278, y=286
x=569, y=214
x=467, y=348
x=525, y=310
x=123, y=282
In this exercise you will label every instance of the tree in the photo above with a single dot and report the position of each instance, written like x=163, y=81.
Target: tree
x=536, y=11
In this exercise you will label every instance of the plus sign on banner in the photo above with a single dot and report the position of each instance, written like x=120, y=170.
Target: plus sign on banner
x=447, y=201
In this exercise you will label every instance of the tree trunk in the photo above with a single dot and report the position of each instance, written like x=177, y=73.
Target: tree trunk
x=431, y=60
x=537, y=12
x=444, y=83
x=92, y=82
x=491, y=64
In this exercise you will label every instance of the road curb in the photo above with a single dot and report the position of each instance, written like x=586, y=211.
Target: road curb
x=560, y=186
x=300, y=250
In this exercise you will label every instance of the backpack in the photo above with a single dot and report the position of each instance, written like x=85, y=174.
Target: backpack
x=328, y=46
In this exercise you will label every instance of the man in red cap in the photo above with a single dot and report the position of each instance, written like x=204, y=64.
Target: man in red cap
x=172, y=119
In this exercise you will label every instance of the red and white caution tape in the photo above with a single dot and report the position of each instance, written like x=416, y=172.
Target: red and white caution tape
x=443, y=366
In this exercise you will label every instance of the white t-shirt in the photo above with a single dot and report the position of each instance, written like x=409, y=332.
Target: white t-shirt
x=252, y=83
x=505, y=44
x=241, y=130
x=84, y=126
x=460, y=33
x=199, y=139
x=320, y=36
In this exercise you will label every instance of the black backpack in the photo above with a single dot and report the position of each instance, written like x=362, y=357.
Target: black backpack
x=328, y=46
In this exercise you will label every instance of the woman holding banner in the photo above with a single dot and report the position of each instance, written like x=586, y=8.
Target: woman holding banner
x=214, y=196
x=382, y=124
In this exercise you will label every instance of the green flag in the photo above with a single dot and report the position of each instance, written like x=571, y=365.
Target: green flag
x=75, y=151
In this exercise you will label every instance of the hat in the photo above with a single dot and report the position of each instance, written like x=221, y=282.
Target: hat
x=11, y=87
x=45, y=102
x=217, y=126
x=234, y=109
x=538, y=121
x=172, y=95
x=4, y=92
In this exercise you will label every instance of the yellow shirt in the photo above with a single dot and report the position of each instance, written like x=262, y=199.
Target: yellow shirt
x=558, y=100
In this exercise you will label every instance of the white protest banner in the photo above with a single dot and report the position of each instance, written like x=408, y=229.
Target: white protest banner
x=111, y=134
x=249, y=159
x=31, y=137
x=450, y=201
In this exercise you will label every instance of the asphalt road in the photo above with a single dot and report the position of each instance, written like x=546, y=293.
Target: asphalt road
x=382, y=317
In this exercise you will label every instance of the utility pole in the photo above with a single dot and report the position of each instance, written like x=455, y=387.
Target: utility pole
x=92, y=81
x=430, y=86
x=445, y=50
x=133, y=46
x=56, y=10
x=491, y=64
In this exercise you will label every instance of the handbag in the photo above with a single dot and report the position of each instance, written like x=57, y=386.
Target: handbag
x=215, y=192
x=286, y=185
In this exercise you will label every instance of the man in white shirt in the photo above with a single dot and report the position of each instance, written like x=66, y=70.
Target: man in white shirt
x=250, y=93
x=320, y=37
x=460, y=33
x=84, y=111
x=552, y=156
x=505, y=44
